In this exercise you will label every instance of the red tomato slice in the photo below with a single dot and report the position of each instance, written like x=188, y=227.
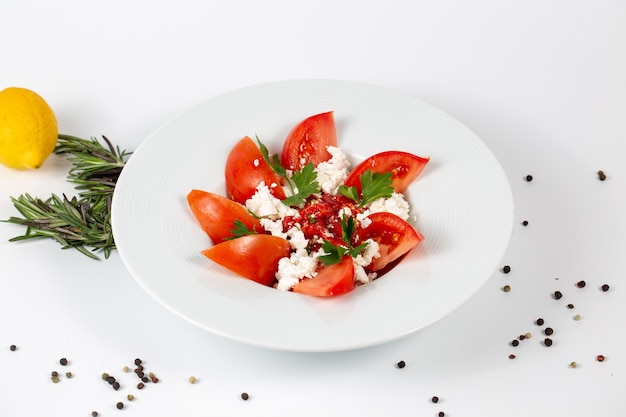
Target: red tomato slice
x=217, y=214
x=330, y=280
x=394, y=236
x=253, y=256
x=307, y=142
x=245, y=169
x=404, y=168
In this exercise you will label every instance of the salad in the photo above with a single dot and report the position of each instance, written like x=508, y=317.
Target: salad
x=302, y=220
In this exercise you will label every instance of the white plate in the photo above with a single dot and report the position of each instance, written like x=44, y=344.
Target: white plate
x=462, y=200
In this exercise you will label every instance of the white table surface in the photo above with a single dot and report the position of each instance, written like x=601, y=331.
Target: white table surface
x=541, y=82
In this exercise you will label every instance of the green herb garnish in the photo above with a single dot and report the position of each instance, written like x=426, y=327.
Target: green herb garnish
x=374, y=185
x=334, y=253
x=79, y=222
x=239, y=230
x=302, y=183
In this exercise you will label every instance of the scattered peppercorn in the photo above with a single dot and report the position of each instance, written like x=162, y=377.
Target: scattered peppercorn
x=506, y=288
x=244, y=396
x=110, y=379
x=155, y=380
x=601, y=175
x=525, y=223
x=548, y=331
x=192, y=379
x=116, y=385
x=529, y=178
x=512, y=356
x=558, y=295
x=605, y=287
x=401, y=364
x=13, y=348
x=528, y=335
x=506, y=269
x=600, y=358
x=119, y=405
x=105, y=376
x=140, y=385
x=573, y=365
x=54, y=374
x=68, y=375
x=63, y=361
x=435, y=399
x=94, y=414
x=126, y=369
x=570, y=306
x=441, y=414
x=145, y=379
x=581, y=284
x=547, y=341
x=539, y=321
x=515, y=342
x=577, y=317
x=138, y=361
x=130, y=397
x=522, y=337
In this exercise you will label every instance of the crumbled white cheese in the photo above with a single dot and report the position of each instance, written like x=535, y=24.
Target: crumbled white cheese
x=292, y=269
x=264, y=204
x=372, y=250
x=395, y=204
x=332, y=173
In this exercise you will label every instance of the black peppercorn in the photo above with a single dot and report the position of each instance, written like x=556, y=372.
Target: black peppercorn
x=435, y=399
x=506, y=269
x=605, y=287
x=581, y=284
x=94, y=414
x=529, y=178
x=539, y=321
x=138, y=361
x=548, y=331
x=13, y=348
x=547, y=341
x=140, y=385
x=515, y=342
x=441, y=414
x=558, y=295
x=570, y=306
x=401, y=364
x=119, y=405
x=63, y=361
x=244, y=396
x=601, y=175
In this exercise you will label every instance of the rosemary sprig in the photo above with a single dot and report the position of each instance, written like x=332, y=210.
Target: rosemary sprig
x=84, y=221
x=74, y=223
x=94, y=168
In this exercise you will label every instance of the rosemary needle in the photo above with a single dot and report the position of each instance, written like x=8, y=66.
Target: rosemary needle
x=84, y=221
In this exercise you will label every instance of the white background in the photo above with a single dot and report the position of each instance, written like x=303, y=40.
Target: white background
x=541, y=82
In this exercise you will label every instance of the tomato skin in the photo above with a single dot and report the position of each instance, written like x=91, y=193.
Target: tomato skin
x=394, y=236
x=217, y=214
x=308, y=140
x=253, y=256
x=245, y=169
x=404, y=167
x=330, y=280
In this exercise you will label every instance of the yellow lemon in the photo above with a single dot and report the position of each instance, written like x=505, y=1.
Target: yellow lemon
x=28, y=129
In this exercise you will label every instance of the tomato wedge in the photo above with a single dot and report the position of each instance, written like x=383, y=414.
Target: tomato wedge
x=217, y=214
x=404, y=168
x=245, y=169
x=330, y=280
x=394, y=236
x=253, y=256
x=307, y=142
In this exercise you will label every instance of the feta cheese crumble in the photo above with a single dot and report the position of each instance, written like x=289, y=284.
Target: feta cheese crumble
x=332, y=173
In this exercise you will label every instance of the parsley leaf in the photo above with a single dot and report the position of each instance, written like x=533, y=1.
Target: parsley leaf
x=334, y=253
x=239, y=230
x=374, y=185
x=305, y=182
x=302, y=183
